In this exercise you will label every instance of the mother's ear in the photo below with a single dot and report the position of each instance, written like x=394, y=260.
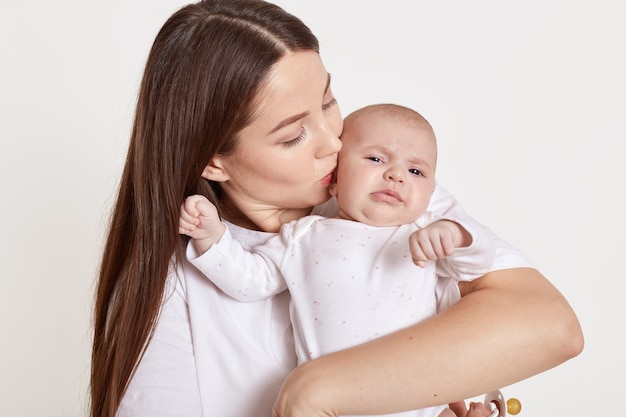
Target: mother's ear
x=214, y=171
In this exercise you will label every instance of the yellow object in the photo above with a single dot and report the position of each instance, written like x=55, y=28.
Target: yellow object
x=513, y=406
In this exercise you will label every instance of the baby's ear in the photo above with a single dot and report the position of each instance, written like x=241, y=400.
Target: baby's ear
x=332, y=189
x=214, y=171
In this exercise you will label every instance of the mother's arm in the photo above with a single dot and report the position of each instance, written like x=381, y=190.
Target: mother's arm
x=509, y=325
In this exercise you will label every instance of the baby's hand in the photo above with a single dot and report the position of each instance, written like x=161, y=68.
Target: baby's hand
x=200, y=221
x=437, y=240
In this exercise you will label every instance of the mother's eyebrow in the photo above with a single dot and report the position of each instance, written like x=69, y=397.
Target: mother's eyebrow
x=289, y=120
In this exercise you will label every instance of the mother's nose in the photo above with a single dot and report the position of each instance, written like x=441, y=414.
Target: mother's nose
x=329, y=144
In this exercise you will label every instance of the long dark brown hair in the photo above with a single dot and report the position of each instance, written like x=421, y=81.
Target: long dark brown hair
x=203, y=73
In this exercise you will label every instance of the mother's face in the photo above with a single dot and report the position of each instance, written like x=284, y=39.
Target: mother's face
x=286, y=157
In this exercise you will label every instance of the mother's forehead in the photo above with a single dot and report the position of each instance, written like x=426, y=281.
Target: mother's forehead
x=296, y=84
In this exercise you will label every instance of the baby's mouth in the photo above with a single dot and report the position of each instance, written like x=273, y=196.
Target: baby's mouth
x=389, y=196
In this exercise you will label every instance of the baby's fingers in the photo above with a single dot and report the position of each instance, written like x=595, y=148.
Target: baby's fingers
x=189, y=205
x=189, y=216
x=186, y=227
x=417, y=253
x=419, y=262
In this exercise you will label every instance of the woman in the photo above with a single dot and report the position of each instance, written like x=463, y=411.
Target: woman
x=235, y=104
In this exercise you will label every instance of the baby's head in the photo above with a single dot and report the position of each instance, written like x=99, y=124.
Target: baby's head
x=386, y=172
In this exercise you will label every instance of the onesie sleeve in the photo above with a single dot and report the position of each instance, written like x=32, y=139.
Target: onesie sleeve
x=243, y=275
x=473, y=261
x=505, y=256
x=444, y=205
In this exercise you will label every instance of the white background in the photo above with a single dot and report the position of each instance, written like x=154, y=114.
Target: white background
x=528, y=100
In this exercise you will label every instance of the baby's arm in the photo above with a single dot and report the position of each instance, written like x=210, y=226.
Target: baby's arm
x=244, y=275
x=437, y=241
x=200, y=221
x=462, y=252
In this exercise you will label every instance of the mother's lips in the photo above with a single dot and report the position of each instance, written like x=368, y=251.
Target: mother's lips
x=328, y=179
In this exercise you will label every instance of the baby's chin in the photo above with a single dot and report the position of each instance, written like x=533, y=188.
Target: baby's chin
x=384, y=224
x=380, y=221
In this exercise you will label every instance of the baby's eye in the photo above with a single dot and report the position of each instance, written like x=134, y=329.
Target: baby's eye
x=416, y=172
x=374, y=159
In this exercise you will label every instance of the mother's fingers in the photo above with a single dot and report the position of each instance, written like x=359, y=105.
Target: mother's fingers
x=459, y=408
x=478, y=410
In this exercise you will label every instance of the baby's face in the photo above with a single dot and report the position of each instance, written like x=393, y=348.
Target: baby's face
x=386, y=172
